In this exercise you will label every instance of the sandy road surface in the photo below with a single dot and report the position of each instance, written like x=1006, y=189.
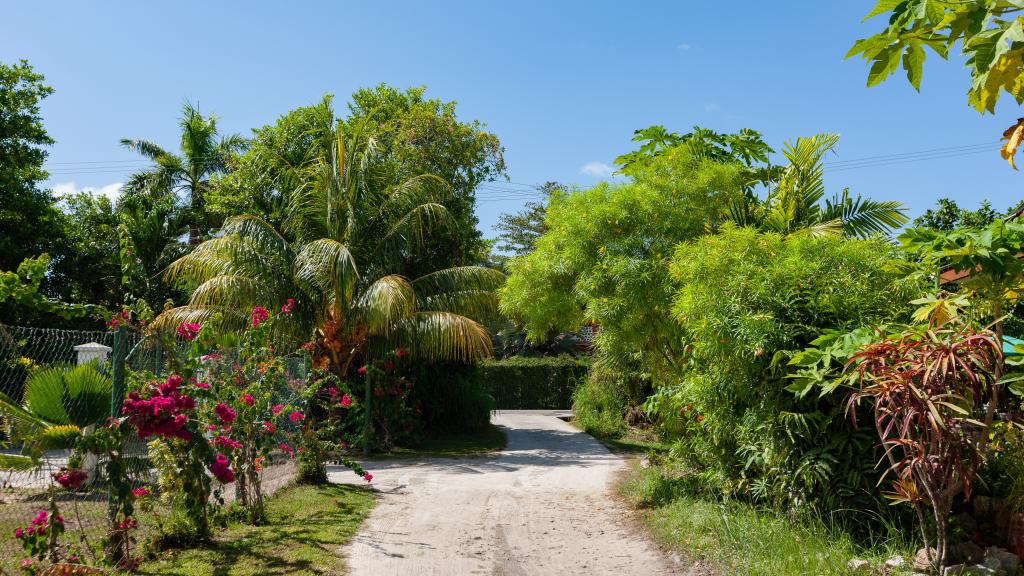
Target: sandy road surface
x=540, y=507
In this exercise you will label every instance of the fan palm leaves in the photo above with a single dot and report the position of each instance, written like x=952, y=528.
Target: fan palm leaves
x=203, y=154
x=351, y=239
x=57, y=404
x=794, y=204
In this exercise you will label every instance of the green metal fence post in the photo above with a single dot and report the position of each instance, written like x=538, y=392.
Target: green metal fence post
x=158, y=354
x=120, y=352
x=367, y=425
x=117, y=372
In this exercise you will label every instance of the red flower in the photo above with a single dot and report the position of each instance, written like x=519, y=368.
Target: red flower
x=259, y=314
x=225, y=412
x=346, y=401
x=332, y=391
x=289, y=306
x=140, y=492
x=276, y=409
x=389, y=365
x=248, y=400
x=269, y=427
x=399, y=352
x=367, y=476
x=70, y=479
x=296, y=416
x=288, y=449
x=225, y=442
x=189, y=330
x=203, y=385
x=221, y=469
x=362, y=370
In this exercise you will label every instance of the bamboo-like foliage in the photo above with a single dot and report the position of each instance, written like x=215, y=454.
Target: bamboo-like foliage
x=352, y=237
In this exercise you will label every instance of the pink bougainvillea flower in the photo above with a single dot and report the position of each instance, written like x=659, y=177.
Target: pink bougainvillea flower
x=26, y=563
x=221, y=469
x=248, y=400
x=203, y=385
x=225, y=442
x=40, y=519
x=140, y=492
x=226, y=413
x=389, y=365
x=276, y=408
x=287, y=449
x=269, y=427
x=19, y=533
x=288, y=306
x=126, y=314
x=259, y=314
x=362, y=370
x=332, y=391
x=399, y=352
x=189, y=330
x=70, y=478
x=368, y=477
x=296, y=416
x=208, y=357
x=346, y=401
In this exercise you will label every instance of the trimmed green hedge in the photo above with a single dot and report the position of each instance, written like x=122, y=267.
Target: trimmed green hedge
x=524, y=383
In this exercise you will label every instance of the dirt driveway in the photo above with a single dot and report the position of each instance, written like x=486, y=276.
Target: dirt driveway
x=540, y=507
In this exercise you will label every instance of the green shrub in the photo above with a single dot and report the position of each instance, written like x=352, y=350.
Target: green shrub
x=450, y=397
x=603, y=400
x=525, y=383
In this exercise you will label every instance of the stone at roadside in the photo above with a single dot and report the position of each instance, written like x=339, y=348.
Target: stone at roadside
x=858, y=565
x=966, y=553
x=921, y=562
x=896, y=562
x=955, y=570
x=1008, y=561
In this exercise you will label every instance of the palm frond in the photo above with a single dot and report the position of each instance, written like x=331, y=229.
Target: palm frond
x=385, y=303
x=327, y=266
x=459, y=278
x=863, y=217
x=409, y=234
x=149, y=149
x=480, y=305
x=443, y=336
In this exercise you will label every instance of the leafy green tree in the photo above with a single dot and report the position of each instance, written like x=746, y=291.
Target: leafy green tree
x=262, y=178
x=518, y=233
x=29, y=222
x=418, y=135
x=793, y=205
x=351, y=237
x=949, y=216
x=988, y=31
x=147, y=240
x=203, y=155
x=89, y=268
x=746, y=147
x=604, y=258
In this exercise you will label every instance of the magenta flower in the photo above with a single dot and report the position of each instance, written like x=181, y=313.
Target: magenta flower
x=289, y=306
x=362, y=370
x=276, y=409
x=248, y=400
x=269, y=427
x=140, y=492
x=287, y=449
x=40, y=519
x=225, y=442
x=70, y=479
x=259, y=314
x=19, y=533
x=296, y=416
x=346, y=401
x=203, y=385
x=221, y=469
x=225, y=413
x=389, y=365
x=367, y=476
x=189, y=330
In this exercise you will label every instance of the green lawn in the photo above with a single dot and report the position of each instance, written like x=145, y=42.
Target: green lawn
x=456, y=445
x=737, y=539
x=307, y=527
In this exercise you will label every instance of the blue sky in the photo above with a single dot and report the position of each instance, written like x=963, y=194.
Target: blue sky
x=563, y=84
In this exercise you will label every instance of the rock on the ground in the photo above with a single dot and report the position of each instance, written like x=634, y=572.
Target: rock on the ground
x=858, y=565
x=896, y=562
x=921, y=562
x=1004, y=559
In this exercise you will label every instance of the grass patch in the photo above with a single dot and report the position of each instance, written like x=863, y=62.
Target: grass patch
x=452, y=445
x=307, y=526
x=636, y=441
x=738, y=539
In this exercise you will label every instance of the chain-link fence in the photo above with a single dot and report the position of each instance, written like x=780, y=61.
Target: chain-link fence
x=57, y=385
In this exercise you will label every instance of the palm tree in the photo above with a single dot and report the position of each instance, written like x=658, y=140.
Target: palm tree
x=794, y=203
x=350, y=237
x=203, y=155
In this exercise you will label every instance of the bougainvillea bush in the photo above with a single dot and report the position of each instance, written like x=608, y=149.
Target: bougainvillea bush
x=232, y=403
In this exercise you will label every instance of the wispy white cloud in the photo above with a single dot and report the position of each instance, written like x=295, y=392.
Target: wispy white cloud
x=112, y=190
x=597, y=169
x=684, y=46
